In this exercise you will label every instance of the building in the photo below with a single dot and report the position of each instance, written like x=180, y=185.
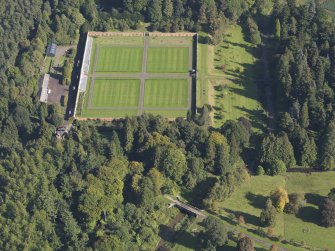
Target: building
x=51, y=49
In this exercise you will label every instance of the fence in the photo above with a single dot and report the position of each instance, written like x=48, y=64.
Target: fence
x=178, y=34
x=111, y=34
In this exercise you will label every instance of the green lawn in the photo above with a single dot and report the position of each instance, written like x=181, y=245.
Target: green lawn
x=315, y=187
x=119, y=59
x=239, y=95
x=249, y=199
x=119, y=40
x=170, y=41
x=166, y=93
x=116, y=93
x=168, y=59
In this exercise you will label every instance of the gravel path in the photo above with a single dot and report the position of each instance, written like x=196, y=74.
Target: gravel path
x=268, y=87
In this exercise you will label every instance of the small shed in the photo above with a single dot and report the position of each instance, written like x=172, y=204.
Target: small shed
x=51, y=49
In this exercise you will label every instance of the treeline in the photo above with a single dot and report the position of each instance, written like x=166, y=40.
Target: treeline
x=305, y=84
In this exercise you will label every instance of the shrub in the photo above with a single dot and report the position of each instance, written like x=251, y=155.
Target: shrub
x=260, y=170
x=296, y=201
x=269, y=214
x=279, y=198
x=327, y=210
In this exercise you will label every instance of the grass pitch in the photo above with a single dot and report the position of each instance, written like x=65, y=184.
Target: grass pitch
x=168, y=59
x=116, y=93
x=165, y=93
x=118, y=59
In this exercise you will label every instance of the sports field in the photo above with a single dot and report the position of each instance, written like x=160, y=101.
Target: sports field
x=115, y=93
x=119, y=59
x=134, y=75
x=166, y=59
x=166, y=93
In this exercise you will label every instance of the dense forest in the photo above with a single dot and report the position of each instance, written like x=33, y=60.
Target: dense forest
x=305, y=74
x=99, y=188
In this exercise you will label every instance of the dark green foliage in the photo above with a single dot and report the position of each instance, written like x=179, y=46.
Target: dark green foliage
x=297, y=201
x=274, y=149
x=275, y=167
x=269, y=214
x=245, y=244
x=214, y=234
x=253, y=32
x=304, y=80
x=327, y=211
x=328, y=148
x=260, y=170
x=225, y=186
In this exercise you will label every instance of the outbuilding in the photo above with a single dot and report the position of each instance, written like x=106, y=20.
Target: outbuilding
x=51, y=49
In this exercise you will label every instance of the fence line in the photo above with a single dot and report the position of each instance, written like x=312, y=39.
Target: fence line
x=177, y=34
x=119, y=34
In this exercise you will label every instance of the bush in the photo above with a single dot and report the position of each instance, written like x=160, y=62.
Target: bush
x=327, y=210
x=296, y=201
x=276, y=167
x=279, y=198
x=245, y=244
x=269, y=214
x=260, y=170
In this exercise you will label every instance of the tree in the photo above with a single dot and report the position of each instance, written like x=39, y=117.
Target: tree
x=331, y=194
x=304, y=117
x=245, y=244
x=171, y=162
x=260, y=170
x=277, y=148
x=279, y=198
x=327, y=211
x=155, y=11
x=296, y=201
x=214, y=234
x=328, y=147
x=277, y=29
x=255, y=35
x=269, y=214
x=275, y=167
x=273, y=247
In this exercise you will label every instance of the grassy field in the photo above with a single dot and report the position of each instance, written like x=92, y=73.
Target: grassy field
x=116, y=93
x=118, y=59
x=170, y=40
x=228, y=79
x=165, y=93
x=250, y=198
x=168, y=59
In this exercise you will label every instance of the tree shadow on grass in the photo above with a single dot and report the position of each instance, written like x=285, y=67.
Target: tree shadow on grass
x=310, y=214
x=248, y=218
x=256, y=200
x=314, y=199
x=187, y=240
x=166, y=232
x=256, y=117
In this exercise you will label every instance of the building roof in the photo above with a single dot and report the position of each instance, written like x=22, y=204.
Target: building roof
x=51, y=49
